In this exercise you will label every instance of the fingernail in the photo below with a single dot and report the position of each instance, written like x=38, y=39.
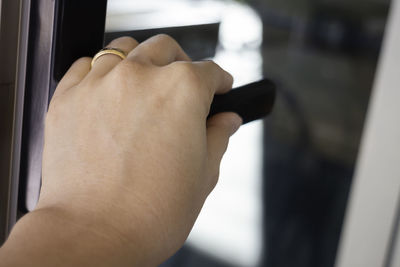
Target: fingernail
x=237, y=121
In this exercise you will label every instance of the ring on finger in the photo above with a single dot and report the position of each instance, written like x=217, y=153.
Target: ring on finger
x=108, y=51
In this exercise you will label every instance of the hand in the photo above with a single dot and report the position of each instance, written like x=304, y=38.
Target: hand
x=129, y=154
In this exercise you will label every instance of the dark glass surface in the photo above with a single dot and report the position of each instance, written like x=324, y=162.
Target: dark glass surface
x=322, y=55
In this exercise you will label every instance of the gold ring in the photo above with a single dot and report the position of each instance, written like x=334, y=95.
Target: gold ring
x=106, y=51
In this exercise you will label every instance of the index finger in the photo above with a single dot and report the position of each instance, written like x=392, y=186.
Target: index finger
x=216, y=79
x=200, y=81
x=160, y=50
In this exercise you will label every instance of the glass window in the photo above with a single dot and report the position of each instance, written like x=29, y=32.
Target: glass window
x=284, y=181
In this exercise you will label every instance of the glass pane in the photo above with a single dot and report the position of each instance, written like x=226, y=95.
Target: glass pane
x=284, y=181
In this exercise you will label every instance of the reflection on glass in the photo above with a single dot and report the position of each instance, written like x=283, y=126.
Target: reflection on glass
x=230, y=225
x=284, y=182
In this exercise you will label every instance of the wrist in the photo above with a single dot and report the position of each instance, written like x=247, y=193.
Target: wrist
x=56, y=236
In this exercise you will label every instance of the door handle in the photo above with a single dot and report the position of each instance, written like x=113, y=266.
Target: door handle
x=252, y=101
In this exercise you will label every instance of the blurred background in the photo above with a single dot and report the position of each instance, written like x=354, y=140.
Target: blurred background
x=284, y=181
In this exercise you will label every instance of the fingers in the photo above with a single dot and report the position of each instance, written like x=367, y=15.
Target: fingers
x=159, y=50
x=219, y=128
x=107, y=62
x=200, y=81
x=217, y=80
x=74, y=75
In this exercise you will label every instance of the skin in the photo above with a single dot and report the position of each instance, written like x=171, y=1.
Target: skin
x=129, y=159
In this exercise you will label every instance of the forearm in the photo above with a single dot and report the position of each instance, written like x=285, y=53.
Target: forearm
x=51, y=237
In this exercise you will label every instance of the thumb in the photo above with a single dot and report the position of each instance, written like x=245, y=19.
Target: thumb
x=219, y=128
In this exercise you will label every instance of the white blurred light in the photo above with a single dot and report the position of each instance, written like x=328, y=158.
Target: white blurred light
x=129, y=15
x=230, y=224
x=241, y=27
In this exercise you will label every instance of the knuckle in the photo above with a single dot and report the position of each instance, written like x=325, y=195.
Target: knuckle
x=213, y=181
x=125, y=39
x=190, y=87
x=89, y=82
x=187, y=73
x=83, y=60
x=162, y=37
x=126, y=79
x=127, y=68
x=211, y=64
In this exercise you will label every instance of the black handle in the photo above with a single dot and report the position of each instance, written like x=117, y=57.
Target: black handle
x=252, y=101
